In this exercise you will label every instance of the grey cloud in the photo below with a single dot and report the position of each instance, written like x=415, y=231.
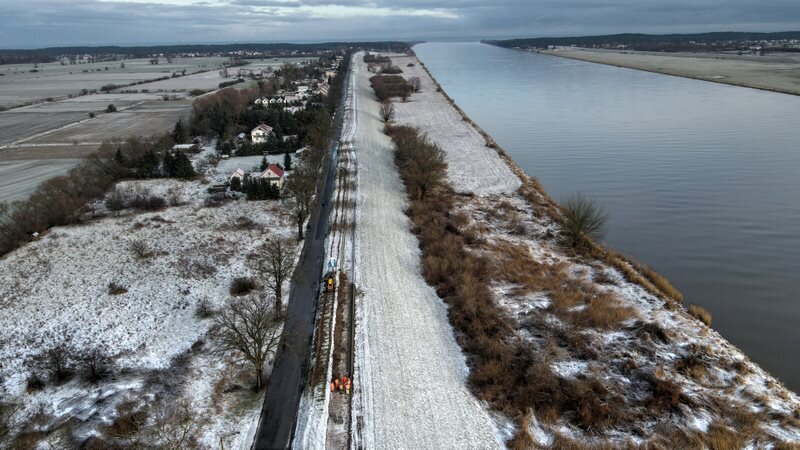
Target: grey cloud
x=59, y=22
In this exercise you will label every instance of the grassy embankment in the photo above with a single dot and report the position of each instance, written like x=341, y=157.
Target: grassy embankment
x=514, y=375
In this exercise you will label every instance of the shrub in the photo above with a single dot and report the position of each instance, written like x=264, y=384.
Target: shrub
x=204, y=309
x=388, y=86
x=701, y=314
x=34, y=383
x=140, y=249
x=584, y=221
x=147, y=202
x=242, y=286
x=116, y=289
x=111, y=109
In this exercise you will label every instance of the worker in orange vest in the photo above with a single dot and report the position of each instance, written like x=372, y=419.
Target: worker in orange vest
x=338, y=386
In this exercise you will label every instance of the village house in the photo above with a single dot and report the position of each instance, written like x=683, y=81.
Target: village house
x=260, y=134
x=275, y=175
x=238, y=173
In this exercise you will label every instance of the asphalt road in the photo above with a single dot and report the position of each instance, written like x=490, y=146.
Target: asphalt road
x=279, y=412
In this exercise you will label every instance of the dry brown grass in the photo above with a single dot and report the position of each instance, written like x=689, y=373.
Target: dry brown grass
x=692, y=366
x=700, y=313
x=720, y=437
x=604, y=312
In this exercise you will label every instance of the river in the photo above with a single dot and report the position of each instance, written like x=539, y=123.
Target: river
x=700, y=180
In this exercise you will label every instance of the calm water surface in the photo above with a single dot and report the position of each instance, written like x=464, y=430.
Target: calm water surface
x=700, y=180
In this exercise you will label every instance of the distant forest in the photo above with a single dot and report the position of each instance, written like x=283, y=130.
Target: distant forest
x=50, y=54
x=652, y=42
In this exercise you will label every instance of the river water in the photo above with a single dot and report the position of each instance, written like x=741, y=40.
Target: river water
x=700, y=180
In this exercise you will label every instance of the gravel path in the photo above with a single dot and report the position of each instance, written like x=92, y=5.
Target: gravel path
x=410, y=372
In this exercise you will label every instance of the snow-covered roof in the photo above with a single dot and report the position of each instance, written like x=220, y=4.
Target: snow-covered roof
x=238, y=173
x=263, y=127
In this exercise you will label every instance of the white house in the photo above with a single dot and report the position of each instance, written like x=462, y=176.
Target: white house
x=274, y=175
x=238, y=173
x=260, y=133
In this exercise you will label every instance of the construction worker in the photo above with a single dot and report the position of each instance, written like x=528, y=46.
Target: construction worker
x=338, y=386
x=332, y=386
x=348, y=386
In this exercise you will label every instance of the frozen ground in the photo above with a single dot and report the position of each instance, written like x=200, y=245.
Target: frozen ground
x=58, y=286
x=410, y=379
x=472, y=166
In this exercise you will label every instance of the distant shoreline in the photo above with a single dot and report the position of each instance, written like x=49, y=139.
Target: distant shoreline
x=766, y=76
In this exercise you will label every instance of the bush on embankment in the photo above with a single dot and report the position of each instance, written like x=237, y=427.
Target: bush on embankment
x=388, y=86
x=504, y=370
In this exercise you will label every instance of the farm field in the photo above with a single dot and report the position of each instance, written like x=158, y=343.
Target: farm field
x=21, y=123
x=19, y=178
x=18, y=85
x=56, y=135
x=142, y=120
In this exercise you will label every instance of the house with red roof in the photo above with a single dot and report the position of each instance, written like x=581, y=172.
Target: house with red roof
x=275, y=175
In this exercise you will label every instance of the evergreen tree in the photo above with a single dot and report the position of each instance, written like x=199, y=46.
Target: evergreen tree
x=170, y=165
x=264, y=164
x=148, y=166
x=236, y=184
x=183, y=167
x=179, y=133
x=119, y=157
x=287, y=161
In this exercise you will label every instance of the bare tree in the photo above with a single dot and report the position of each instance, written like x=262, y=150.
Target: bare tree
x=57, y=361
x=301, y=188
x=175, y=425
x=96, y=363
x=249, y=329
x=7, y=411
x=386, y=111
x=275, y=263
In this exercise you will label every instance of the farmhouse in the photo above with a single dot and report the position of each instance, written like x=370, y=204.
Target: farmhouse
x=275, y=175
x=260, y=133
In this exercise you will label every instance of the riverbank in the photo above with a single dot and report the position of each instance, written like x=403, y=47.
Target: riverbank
x=615, y=353
x=772, y=74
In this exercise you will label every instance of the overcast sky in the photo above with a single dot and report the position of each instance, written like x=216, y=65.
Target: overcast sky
x=38, y=23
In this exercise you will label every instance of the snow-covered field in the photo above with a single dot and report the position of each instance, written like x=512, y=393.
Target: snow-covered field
x=410, y=388
x=472, y=166
x=58, y=287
